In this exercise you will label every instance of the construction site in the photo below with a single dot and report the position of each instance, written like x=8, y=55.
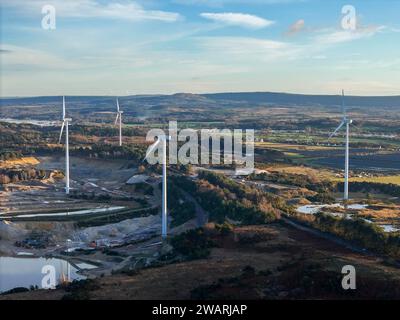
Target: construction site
x=111, y=210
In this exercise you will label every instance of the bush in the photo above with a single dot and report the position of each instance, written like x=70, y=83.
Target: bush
x=79, y=290
x=225, y=228
x=360, y=232
x=224, y=198
x=15, y=290
x=322, y=197
x=193, y=244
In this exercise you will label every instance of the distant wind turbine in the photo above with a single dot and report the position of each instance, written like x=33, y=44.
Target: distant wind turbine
x=345, y=121
x=119, y=117
x=65, y=123
x=164, y=218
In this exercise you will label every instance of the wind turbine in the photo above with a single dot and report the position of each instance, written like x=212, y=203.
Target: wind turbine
x=345, y=121
x=65, y=123
x=164, y=217
x=119, y=117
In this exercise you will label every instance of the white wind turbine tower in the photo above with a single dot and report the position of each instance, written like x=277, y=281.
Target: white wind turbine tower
x=119, y=117
x=164, y=220
x=345, y=121
x=65, y=123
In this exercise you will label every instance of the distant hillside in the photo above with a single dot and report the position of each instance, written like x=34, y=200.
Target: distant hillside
x=242, y=99
x=51, y=100
x=196, y=107
x=288, y=99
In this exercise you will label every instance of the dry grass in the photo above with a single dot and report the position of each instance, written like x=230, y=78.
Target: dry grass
x=385, y=179
x=395, y=179
x=26, y=161
x=286, y=146
x=301, y=170
x=274, y=247
x=381, y=212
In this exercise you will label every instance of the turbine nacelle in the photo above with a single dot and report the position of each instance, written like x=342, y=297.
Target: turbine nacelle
x=119, y=112
x=119, y=116
x=345, y=120
x=65, y=120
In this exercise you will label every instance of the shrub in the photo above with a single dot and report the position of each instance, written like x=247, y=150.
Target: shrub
x=193, y=244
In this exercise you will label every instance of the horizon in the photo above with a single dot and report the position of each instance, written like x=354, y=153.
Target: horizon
x=121, y=47
x=202, y=94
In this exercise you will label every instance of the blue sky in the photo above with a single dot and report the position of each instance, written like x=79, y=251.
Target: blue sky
x=121, y=47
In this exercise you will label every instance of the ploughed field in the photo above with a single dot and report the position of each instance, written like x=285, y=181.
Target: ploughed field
x=333, y=157
x=375, y=162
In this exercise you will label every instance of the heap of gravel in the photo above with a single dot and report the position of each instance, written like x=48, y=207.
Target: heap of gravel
x=11, y=231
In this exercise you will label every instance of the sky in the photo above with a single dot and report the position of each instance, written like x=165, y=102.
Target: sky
x=122, y=47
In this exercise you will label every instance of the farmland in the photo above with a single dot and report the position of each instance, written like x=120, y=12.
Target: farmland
x=114, y=225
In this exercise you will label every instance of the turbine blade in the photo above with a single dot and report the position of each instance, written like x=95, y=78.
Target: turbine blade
x=63, y=114
x=337, y=129
x=151, y=148
x=116, y=119
x=61, y=132
x=343, y=106
x=117, y=105
x=357, y=127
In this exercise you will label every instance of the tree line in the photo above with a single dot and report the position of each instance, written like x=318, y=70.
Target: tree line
x=325, y=188
x=367, y=187
x=10, y=155
x=224, y=198
x=360, y=232
x=16, y=175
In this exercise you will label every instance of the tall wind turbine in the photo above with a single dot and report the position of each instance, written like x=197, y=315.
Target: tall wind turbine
x=164, y=221
x=65, y=124
x=345, y=121
x=119, y=117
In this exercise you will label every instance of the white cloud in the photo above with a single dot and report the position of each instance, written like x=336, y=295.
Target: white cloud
x=361, y=87
x=238, y=19
x=221, y=3
x=249, y=49
x=341, y=36
x=94, y=9
x=21, y=57
x=319, y=57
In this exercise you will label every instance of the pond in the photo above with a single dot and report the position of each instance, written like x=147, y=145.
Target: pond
x=62, y=214
x=315, y=208
x=42, y=123
x=26, y=272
